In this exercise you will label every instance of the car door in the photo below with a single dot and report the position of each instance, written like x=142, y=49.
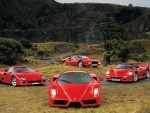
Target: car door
x=141, y=73
x=73, y=60
x=7, y=75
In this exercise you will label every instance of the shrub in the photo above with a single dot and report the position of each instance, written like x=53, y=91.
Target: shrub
x=11, y=51
x=26, y=44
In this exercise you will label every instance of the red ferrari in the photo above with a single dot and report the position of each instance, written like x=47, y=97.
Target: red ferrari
x=80, y=60
x=75, y=88
x=128, y=72
x=21, y=75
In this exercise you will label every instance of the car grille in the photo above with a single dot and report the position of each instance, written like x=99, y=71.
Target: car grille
x=62, y=102
x=92, y=101
x=116, y=77
x=94, y=62
x=75, y=104
x=34, y=81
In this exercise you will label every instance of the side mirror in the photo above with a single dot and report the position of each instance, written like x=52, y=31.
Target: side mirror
x=36, y=71
x=49, y=80
x=101, y=79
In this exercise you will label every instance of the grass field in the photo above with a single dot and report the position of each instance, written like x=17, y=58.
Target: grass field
x=133, y=98
x=116, y=98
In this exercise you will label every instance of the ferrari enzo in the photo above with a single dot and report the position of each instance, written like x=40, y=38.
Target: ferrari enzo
x=75, y=88
x=128, y=72
x=80, y=60
x=21, y=75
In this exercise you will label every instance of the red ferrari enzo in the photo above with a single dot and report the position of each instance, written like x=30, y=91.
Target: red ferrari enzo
x=128, y=72
x=75, y=88
x=21, y=75
x=80, y=60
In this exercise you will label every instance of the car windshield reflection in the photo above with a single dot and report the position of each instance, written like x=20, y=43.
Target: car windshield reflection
x=23, y=69
x=74, y=78
x=126, y=66
x=80, y=57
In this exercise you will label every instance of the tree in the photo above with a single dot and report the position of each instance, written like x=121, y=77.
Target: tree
x=11, y=51
x=109, y=28
x=117, y=49
x=112, y=33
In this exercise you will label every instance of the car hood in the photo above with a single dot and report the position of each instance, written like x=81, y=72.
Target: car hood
x=75, y=91
x=121, y=71
x=29, y=75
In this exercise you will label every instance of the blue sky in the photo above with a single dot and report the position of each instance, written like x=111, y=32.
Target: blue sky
x=141, y=3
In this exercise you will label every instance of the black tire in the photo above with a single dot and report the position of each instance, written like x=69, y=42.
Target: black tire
x=13, y=81
x=80, y=63
x=135, y=77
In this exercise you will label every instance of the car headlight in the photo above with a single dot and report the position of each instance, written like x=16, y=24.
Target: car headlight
x=96, y=91
x=108, y=72
x=89, y=62
x=130, y=73
x=43, y=77
x=99, y=63
x=22, y=78
x=53, y=92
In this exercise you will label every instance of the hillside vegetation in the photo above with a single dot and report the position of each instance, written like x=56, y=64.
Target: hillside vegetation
x=47, y=20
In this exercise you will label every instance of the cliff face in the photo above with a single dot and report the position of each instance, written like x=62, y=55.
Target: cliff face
x=47, y=20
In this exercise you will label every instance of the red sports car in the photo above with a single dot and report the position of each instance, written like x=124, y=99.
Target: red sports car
x=21, y=75
x=75, y=88
x=80, y=60
x=128, y=72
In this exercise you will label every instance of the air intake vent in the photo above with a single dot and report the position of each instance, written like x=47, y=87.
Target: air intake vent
x=62, y=102
x=92, y=101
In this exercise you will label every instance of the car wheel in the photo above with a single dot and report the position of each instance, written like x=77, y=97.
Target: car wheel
x=147, y=73
x=80, y=63
x=64, y=63
x=135, y=77
x=13, y=81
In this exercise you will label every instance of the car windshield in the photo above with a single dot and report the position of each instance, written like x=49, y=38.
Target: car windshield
x=82, y=57
x=74, y=77
x=23, y=69
x=126, y=66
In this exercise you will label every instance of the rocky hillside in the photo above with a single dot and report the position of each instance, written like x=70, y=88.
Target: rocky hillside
x=47, y=20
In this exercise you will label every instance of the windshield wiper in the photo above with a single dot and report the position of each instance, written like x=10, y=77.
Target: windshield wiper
x=66, y=81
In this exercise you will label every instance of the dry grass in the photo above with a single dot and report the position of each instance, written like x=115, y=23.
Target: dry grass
x=129, y=98
x=116, y=98
x=119, y=97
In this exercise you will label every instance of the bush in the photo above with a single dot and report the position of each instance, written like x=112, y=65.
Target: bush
x=11, y=51
x=26, y=44
x=40, y=53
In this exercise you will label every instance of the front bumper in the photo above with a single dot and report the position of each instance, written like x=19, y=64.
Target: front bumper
x=31, y=82
x=64, y=101
x=119, y=78
x=74, y=103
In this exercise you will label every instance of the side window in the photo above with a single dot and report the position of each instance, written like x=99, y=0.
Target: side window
x=73, y=58
x=9, y=70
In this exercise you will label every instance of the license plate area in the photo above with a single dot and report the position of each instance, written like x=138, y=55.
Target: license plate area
x=94, y=64
x=114, y=79
x=35, y=83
